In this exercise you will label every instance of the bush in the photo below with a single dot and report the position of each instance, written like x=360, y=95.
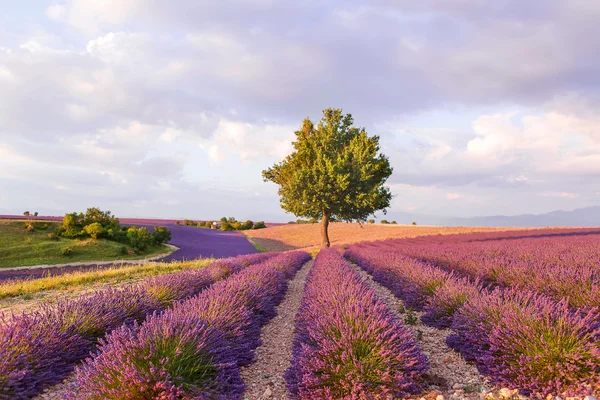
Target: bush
x=52, y=236
x=384, y=222
x=29, y=228
x=393, y=222
x=94, y=230
x=123, y=250
x=247, y=225
x=371, y=221
x=348, y=343
x=139, y=238
x=67, y=251
x=414, y=223
x=161, y=235
x=259, y=225
x=35, y=214
x=26, y=213
x=226, y=226
x=236, y=225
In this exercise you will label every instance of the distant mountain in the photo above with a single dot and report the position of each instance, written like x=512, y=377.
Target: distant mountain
x=589, y=216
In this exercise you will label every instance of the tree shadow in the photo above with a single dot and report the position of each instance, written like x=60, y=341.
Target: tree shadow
x=272, y=244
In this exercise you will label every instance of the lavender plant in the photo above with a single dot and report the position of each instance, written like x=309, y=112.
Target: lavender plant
x=348, y=344
x=193, y=350
x=41, y=349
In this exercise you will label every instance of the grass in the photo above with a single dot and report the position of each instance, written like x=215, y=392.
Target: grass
x=29, y=287
x=258, y=247
x=19, y=248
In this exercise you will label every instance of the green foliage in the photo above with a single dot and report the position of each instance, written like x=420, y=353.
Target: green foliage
x=52, y=236
x=29, y=228
x=66, y=251
x=35, y=214
x=139, y=238
x=393, y=223
x=246, y=225
x=259, y=225
x=94, y=230
x=384, y=222
x=335, y=171
x=224, y=219
x=414, y=223
x=226, y=226
x=161, y=235
x=26, y=213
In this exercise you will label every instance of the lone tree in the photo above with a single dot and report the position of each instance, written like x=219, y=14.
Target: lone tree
x=336, y=172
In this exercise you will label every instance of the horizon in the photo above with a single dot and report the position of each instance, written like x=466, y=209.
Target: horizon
x=172, y=111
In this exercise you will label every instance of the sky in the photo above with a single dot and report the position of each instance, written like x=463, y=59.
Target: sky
x=151, y=108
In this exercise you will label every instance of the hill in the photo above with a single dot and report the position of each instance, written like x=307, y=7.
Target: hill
x=307, y=236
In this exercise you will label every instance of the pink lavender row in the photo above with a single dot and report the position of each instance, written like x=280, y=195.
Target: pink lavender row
x=348, y=343
x=494, y=266
x=195, y=349
x=518, y=338
x=41, y=348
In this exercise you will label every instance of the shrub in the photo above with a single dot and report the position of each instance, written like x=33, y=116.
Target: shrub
x=26, y=213
x=169, y=357
x=526, y=340
x=28, y=240
x=226, y=226
x=236, y=225
x=393, y=223
x=52, y=236
x=35, y=214
x=139, y=238
x=348, y=344
x=177, y=223
x=259, y=225
x=384, y=222
x=94, y=230
x=247, y=225
x=41, y=348
x=29, y=228
x=192, y=351
x=371, y=221
x=66, y=251
x=123, y=250
x=414, y=223
x=161, y=235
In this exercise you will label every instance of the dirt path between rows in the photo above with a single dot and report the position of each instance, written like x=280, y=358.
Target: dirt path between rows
x=449, y=374
x=264, y=378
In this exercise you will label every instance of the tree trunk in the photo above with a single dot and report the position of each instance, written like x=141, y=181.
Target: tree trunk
x=324, y=229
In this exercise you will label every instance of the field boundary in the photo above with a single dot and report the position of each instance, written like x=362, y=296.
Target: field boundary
x=98, y=263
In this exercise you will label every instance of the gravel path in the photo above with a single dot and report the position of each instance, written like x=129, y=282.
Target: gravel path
x=264, y=378
x=449, y=374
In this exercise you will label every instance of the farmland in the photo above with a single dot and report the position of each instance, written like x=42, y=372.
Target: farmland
x=20, y=247
x=473, y=315
x=307, y=236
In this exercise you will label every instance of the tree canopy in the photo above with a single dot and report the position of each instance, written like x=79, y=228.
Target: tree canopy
x=336, y=171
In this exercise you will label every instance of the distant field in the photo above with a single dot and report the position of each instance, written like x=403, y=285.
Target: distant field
x=21, y=248
x=307, y=236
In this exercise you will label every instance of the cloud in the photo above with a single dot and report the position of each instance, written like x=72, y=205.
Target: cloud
x=454, y=196
x=130, y=100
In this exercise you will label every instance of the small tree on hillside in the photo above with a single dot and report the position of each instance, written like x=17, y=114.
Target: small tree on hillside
x=335, y=171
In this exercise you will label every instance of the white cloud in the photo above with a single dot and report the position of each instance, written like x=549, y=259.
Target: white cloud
x=454, y=196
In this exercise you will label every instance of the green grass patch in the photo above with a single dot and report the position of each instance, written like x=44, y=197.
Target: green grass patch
x=27, y=243
x=29, y=287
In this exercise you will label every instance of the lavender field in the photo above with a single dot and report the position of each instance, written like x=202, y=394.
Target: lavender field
x=502, y=315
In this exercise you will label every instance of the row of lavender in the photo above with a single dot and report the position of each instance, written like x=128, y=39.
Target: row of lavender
x=519, y=338
x=559, y=266
x=41, y=348
x=348, y=344
x=195, y=349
